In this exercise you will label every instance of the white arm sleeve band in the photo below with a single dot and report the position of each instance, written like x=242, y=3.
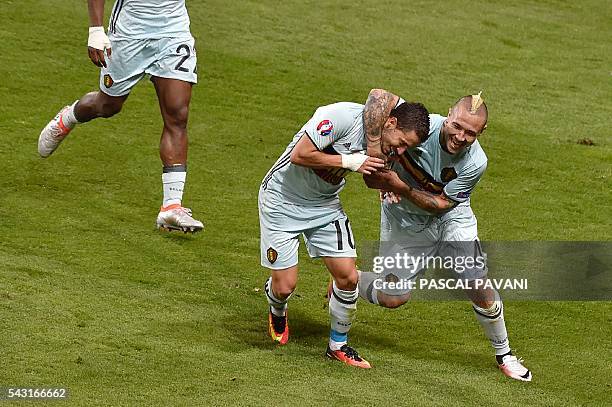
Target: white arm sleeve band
x=353, y=161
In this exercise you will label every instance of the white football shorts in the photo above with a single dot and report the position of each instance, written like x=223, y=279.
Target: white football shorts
x=131, y=59
x=427, y=241
x=326, y=231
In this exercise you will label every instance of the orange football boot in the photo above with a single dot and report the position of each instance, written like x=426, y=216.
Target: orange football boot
x=348, y=355
x=278, y=328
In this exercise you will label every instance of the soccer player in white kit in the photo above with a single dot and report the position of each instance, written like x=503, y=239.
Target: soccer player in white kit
x=299, y=196
x=428, y=213
x=145, y=37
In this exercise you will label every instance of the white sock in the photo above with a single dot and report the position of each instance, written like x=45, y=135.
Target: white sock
x=494, y=325
x=342, y=309
x=278, y=307
x=68, y=117
x=173, y=180
x=336, y=345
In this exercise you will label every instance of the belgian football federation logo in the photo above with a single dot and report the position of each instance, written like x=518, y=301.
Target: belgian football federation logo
x=108, y=81
x=325, y=128
x=272, y=255
x=448, y=174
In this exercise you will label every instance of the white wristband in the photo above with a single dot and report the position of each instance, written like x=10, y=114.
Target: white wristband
x=97, y=38
x=353, y=161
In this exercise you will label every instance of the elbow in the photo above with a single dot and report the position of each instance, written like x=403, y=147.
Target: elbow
x=377, y=93
x=388, y=99
x=296, y=158
x=441, y=206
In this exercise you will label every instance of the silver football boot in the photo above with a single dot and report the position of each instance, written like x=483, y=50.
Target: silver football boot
x=52, y=135
x=175, y=217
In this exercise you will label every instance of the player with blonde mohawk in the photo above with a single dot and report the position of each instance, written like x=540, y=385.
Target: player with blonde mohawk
x=426, y=212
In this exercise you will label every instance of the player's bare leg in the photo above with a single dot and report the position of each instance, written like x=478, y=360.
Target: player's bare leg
x=90, y=106
x=369, y=292
x=342, y=308
x=174, y=97
x=278, y=289
x=489, y=311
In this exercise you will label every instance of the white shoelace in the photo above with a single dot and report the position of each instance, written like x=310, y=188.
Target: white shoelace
x=513, y=363
x=186, y=210
x=56, y=131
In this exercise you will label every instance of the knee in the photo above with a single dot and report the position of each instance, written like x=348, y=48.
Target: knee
x=348, y=282
x=176, y=118
x=484, y=304
x=283, y=290
x=484, y=299
x=283, y=287
x=393, y=301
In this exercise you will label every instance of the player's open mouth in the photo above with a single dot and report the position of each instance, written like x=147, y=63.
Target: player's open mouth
x=455, y=145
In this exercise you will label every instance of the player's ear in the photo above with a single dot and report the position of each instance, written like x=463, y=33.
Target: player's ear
x=391, y=122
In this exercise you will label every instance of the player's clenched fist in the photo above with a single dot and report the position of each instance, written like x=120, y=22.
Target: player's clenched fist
x=362, y=163
x=96, y=44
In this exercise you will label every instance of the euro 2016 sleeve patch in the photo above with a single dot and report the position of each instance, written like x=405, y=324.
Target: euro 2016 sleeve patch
x=325, y=128
x=272, y=255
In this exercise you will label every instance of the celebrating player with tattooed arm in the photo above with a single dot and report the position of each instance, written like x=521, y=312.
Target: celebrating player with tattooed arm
x=299, y=196
x=425, y=211
x=145, y=37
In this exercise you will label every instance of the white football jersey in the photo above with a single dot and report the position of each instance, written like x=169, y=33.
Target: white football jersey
x=429, y=167
x=334, y=129
x=149, y=19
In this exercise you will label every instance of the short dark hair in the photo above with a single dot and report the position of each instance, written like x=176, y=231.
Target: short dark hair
x=412, y=116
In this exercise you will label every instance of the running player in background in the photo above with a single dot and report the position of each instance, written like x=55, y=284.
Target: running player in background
x=299, y=196
x=146, y=37
x=429, y=214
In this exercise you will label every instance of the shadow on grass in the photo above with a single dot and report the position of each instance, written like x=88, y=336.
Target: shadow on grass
x=418, y=342
x=251, y=329
x=176, y=236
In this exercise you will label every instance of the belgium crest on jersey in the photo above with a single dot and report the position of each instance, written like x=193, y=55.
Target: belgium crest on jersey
x=448, y=174
x=108, y=81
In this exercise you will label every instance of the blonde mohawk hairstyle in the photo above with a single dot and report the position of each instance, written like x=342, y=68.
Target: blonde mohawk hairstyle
x=477, y=101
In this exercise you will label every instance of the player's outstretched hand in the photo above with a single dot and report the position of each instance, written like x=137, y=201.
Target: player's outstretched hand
x=97, y=43
x=371, y=165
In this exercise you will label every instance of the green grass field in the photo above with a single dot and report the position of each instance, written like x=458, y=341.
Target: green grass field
x=94, y=299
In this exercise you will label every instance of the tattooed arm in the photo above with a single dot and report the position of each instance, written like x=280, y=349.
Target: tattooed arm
x=436, y=204
x=390, y=181
x=377, y=108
